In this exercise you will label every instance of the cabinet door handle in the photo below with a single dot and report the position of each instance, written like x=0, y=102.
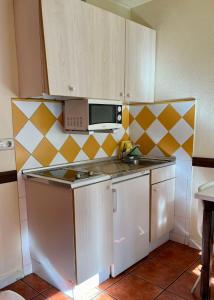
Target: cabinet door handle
x=128, y=95
x=71, y=88
x=121, y=94
x=155, y=190
x=114, y=191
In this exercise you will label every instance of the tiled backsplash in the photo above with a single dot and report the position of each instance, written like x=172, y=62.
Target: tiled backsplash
x=40, y=140
x=163, y=129
x=159, y=129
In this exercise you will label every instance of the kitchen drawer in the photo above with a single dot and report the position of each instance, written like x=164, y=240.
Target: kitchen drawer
x=162, y=174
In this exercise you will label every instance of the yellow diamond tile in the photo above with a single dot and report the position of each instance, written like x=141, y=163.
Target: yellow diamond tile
x=125, y=117
x=19, y=119
x=188, y=146
x=145, y=143
x=45, y=152
x=189, y=117
x=43, y=119
x=168, y=144
x=169, y=117
x=125, y=137
x=91, y=147
x=131, y=119
x=60, y=119
x=145, y=118
x=70, y=149
x=22, y=155
x=109, y=145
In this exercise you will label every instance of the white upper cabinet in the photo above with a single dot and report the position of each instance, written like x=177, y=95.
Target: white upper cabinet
x=69, y=48
x=140, y=63
x=84, y=50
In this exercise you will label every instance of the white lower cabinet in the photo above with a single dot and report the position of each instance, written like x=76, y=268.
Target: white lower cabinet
x=130, y=222
x=162, y=208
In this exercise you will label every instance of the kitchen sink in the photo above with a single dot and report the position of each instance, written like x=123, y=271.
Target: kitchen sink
x=144, y=161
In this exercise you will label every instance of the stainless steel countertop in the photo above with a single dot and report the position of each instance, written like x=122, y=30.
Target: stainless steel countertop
x=116, y=168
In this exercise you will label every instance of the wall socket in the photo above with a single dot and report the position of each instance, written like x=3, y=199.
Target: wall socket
x=6, y=144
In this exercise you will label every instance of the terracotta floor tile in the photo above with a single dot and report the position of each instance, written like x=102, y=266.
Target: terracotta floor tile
x=159, y=274
x=40, y=297
x=158, y=250
x=169, y=296
x=103, y=296
x=133, y=288
x=183, y=285
x=54, y=294
x=37, y=283
x=179, y=255
x=22, y=289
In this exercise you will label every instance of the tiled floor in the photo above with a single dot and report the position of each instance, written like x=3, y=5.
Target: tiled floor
x=168, y=273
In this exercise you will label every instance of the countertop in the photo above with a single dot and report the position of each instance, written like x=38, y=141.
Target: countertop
x=116, y=168
x=207, y=193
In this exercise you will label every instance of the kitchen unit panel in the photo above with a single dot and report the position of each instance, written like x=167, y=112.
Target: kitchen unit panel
x=69, y=48
x=140, y=63
x=131, y=222
x=162, y=208
x=94, y=229
x=10, y=239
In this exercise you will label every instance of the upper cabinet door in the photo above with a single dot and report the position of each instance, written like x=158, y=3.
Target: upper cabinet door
x=84, y=50
x=140, y=63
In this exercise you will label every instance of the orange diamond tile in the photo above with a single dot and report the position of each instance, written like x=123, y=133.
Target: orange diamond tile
x=109, y=145
x=91, y=147
x=60, y=119
x=168, y=144
x=169, y=117
x=125, y=137
x=43, y=119
x=125, y=117
x=70, y=149
x=22, y=155
x=19, y=119
x=189, y=117
x=131, y=119
x=188, y=146
x=145, y=118
x=45, y=152
x=145, y=143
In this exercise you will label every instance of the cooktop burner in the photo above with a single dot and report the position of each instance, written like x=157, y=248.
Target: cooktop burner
x=67, y=174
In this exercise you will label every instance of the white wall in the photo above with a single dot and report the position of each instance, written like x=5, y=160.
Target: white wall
x=185, y=68
x=10, y=242
x=8, y=79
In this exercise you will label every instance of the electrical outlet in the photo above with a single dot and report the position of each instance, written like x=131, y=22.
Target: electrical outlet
x=6, y=144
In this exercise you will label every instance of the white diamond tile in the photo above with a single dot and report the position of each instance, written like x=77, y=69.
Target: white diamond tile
x=56, y=135
x=157, y=109
x=29, y=137
x=31, y=163
x=156, y=131
x=181, y=131
x=135, y=109
x=80, y=139
x=27, y=107
x=55, y=108
x=81, y=156
x=156, y=152
x=58, y=160
x=100, y=137
x=119, y=134
x=181, y=154
x=135, y=131
x=183, y=107
x=101, y=153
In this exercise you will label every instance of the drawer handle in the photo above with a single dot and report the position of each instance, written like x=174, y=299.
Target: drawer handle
x=114, y=200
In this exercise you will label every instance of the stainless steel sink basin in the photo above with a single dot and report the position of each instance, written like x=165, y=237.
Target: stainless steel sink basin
x=144, y=161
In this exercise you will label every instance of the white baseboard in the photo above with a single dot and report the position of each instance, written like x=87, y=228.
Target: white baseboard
x=10, y=278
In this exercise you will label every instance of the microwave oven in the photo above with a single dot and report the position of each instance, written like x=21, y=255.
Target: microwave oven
x=92, y=115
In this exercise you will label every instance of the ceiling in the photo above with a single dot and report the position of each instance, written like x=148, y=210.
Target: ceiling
x=130, y=3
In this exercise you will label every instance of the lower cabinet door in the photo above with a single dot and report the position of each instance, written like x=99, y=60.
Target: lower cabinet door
x=131, y=223
x=162, y=208
x=93, y=208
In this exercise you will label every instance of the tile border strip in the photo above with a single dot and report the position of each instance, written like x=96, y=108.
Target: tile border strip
x=203, y=162
x=8, y=176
